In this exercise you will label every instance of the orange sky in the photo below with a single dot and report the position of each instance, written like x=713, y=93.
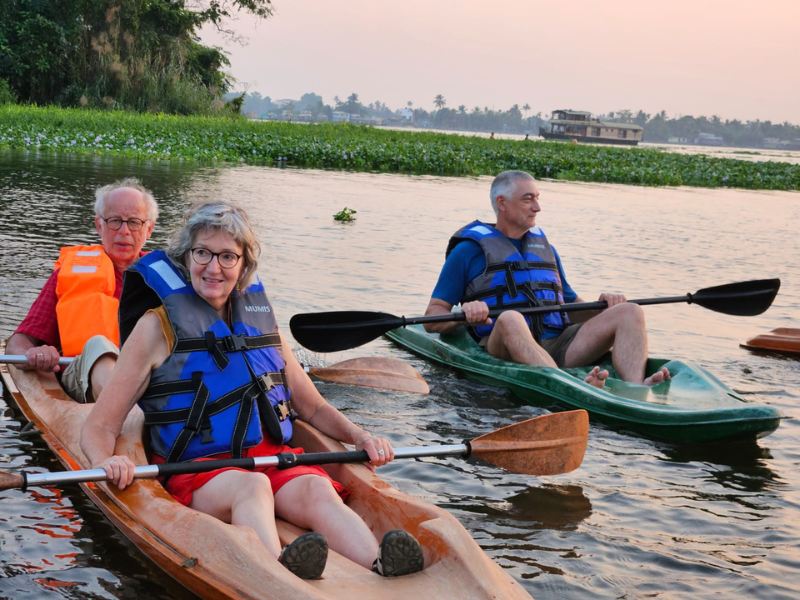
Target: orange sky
x=734, y=58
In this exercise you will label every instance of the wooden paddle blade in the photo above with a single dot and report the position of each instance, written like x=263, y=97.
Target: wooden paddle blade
x=341, y=330
x=546, y=445
x=744, y=299
x=374, y=371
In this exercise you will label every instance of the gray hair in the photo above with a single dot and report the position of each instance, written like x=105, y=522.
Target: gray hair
x=129, y=182
x=505, y=184
x=216, y=215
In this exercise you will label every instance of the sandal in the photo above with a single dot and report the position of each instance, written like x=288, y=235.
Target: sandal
x=306, y=555
x=399, y=554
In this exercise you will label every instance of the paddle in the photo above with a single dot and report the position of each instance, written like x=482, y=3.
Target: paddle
x=370, y=371
x=546, y=445
x=342, y=330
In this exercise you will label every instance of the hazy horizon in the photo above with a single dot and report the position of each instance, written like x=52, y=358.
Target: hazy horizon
x=699, y=57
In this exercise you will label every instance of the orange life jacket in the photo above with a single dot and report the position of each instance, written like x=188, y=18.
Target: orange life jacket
x=86, y=304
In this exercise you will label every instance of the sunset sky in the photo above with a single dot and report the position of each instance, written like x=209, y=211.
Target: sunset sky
x=733, y=58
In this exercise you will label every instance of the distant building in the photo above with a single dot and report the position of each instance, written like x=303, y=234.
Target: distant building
x=405, y=113
x=305, y=117
x=708, y=139
x=340, y=117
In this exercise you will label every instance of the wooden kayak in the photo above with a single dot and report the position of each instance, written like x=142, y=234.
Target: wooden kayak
x=785, y=340
x=693, y=406
x=217, y=560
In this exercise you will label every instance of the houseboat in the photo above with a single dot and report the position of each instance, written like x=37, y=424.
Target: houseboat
x=581, y=126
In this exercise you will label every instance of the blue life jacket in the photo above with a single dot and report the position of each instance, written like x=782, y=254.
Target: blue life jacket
x=514, y=279
x=219, y=385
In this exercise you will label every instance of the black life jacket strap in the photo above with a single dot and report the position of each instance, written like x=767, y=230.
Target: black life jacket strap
x=180, y=415
x=218, y=347
x=196, y=421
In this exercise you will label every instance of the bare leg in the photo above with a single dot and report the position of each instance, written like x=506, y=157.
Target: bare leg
x=99, y=375
x=511, y=339
x=623, y=328
x=244, y=499
x=311, y=501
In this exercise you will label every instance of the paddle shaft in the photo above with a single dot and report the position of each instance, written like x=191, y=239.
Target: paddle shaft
x=284, y=460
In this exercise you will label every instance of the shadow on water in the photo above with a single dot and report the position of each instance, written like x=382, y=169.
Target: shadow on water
x=737, y=465
x=544, y=506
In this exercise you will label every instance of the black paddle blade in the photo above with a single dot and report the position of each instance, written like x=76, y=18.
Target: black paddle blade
x=342, y=330
x=744, y=299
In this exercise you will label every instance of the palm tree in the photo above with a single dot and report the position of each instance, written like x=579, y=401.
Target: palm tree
x=439, y=101
x=525, y=108
x=462, y=109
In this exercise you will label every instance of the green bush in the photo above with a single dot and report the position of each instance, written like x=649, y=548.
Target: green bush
x=7, y=95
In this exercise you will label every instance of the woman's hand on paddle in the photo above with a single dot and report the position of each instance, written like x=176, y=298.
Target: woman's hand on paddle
x=119, y=470
x=379, y=449
x=42, y=358
x=476, y=312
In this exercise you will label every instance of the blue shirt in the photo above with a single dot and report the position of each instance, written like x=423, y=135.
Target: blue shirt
x=467, y=261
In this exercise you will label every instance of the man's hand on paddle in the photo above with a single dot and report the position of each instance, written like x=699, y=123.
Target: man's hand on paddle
x=477, y=313
x=612, y=299
x=42, y=358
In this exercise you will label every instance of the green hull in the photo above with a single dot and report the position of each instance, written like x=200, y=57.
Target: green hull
x=693, y=406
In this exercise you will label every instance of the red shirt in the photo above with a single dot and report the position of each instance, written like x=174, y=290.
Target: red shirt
x=41, y=321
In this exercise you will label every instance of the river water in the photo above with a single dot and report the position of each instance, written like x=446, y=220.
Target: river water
x=639, y=519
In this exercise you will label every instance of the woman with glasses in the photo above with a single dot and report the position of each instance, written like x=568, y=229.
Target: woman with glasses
x=203, y=358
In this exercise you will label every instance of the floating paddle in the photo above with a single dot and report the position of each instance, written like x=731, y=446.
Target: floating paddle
x=342, y=330
x=546, y=445
x=370, y=371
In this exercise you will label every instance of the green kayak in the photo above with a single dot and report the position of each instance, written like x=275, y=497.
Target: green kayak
x=693, y=406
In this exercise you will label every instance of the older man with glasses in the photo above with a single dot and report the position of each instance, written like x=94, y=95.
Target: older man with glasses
x=75, y=314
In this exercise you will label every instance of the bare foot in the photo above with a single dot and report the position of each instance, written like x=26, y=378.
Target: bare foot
x=658, y=377
x=596, y=377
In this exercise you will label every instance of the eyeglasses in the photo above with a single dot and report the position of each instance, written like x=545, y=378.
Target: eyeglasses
x=226, y=260
x=115, y=223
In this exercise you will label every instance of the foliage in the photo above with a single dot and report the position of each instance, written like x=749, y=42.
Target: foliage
x=346, y=214
x=7, y=95
x=358, y=148
x=133, y=54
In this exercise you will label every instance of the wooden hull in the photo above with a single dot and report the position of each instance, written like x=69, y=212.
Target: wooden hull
x=785, y=340
x=217, y=560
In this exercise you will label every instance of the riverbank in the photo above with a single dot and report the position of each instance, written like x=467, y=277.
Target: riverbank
x=360, y=148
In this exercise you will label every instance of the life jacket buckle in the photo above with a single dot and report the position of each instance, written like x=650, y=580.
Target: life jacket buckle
x=235, y=343
x=284, y=410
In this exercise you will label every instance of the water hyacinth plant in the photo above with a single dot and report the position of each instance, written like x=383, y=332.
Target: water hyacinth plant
x=359, y=148
x=346, y=214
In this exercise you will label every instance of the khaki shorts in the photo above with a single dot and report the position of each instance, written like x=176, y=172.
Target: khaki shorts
x=557, y=347
x=75, y=379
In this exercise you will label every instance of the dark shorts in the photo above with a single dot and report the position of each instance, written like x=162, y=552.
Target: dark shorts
x=557, y=346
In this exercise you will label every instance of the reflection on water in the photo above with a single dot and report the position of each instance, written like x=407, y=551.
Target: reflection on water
x=639, y=518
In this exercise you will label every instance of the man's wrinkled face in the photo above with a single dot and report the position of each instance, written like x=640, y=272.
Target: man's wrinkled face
x=123, y=245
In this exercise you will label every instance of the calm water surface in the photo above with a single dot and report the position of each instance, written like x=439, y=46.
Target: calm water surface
x=639, y=519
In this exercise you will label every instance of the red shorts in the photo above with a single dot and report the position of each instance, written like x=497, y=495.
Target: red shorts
x=181, y=487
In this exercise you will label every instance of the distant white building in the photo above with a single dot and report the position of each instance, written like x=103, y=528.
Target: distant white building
x=340, y=117
x=406, y=113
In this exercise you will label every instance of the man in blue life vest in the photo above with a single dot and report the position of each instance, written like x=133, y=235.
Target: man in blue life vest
x=512, y=265
x=75, y=313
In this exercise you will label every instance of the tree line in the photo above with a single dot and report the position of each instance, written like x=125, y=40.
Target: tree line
x=139, y=55
x=657, y=127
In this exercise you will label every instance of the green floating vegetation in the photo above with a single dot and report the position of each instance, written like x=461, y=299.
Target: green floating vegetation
x=359, y=148
x=346, y=214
